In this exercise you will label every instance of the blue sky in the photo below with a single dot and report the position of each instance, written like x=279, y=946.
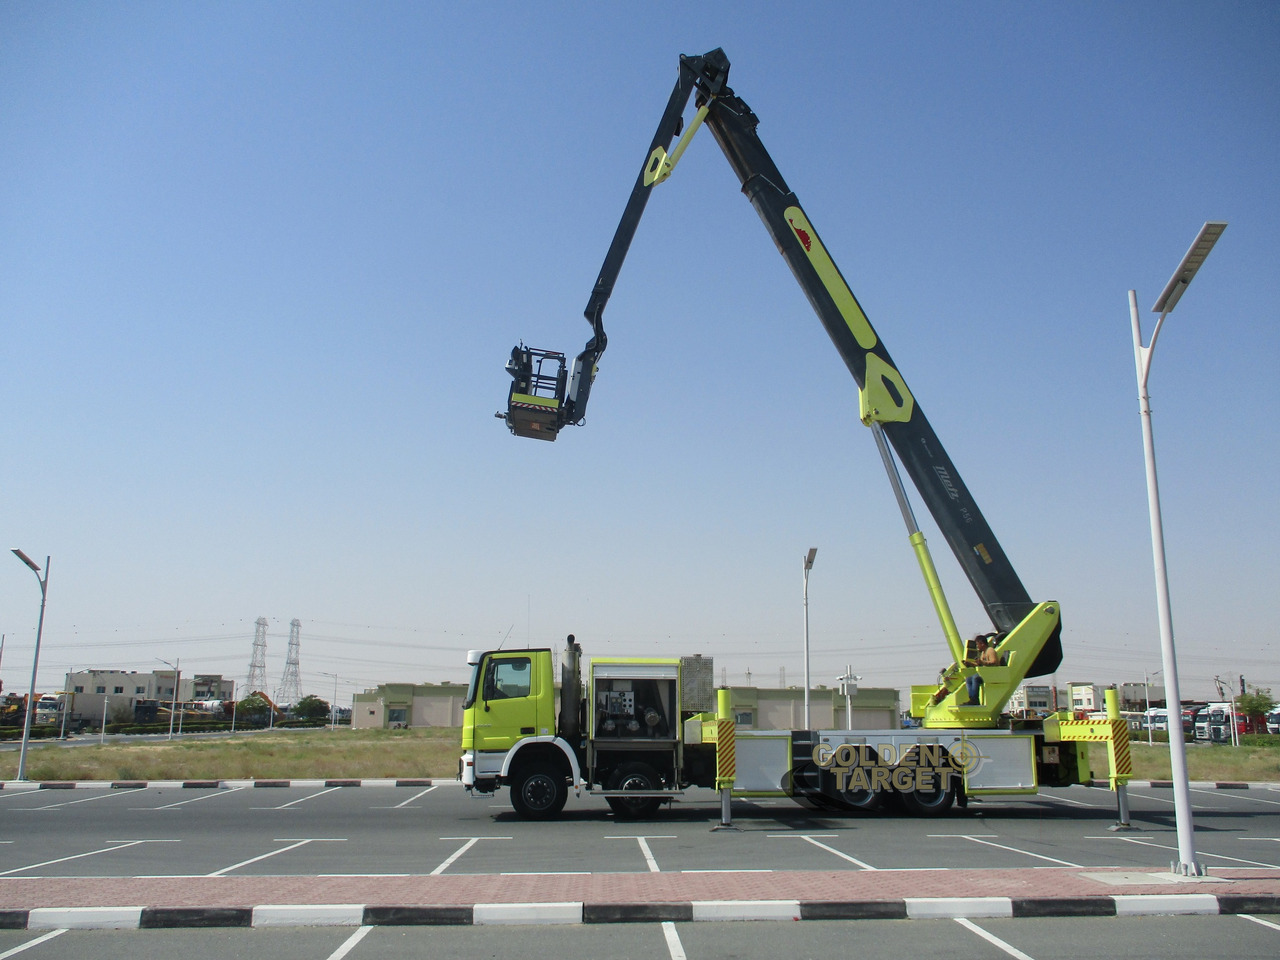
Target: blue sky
x=261, y=266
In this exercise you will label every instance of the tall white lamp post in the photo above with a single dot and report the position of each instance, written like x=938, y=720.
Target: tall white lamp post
x=333, y=707
x=173, y=707
x=1146, y=689
x=808, y=565
x=1186, y=864
x=35, y=660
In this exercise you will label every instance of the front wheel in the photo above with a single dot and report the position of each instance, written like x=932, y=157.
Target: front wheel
x=539, y=792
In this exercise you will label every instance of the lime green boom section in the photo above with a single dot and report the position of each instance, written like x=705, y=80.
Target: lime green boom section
x=946, y=704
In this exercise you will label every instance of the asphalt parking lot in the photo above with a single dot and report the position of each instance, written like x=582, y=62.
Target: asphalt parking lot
x=432, y=830
x=348, y=841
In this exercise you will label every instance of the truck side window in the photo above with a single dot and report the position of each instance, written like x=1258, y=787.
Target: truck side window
x=507, y=678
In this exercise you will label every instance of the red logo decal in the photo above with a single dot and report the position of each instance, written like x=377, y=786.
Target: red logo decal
x=803, y=237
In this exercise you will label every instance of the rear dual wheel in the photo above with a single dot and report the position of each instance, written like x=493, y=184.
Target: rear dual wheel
x=634, y=776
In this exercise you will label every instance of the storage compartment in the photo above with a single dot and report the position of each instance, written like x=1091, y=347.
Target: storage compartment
x=634, y=701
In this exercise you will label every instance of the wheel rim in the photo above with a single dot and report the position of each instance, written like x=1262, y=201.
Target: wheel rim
x=635, y=781
x=538, y=792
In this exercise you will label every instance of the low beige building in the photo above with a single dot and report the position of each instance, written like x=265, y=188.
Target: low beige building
x=392, y=705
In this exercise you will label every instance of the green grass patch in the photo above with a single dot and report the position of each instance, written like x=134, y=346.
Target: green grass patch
x=265, y=755
x=1256, y=759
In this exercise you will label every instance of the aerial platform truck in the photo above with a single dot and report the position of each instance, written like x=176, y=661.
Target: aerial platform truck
x=964, y=746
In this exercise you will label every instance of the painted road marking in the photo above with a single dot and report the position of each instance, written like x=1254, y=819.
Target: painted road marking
x=1242, y=796
x=644, y=848
x=1146, y=842
x=414, y=797
x=179, y=803
x=1078, y=803
x=14, y=951
x=67, y=803
x=1147, y=796
x=674, y=946
x=981, y=838
x=813, y=839
x=992, y=939
x=471, y=842
x=1243, y=916
x=349, y=944
x=291, y=803
x=292, y=846
x=120, y=845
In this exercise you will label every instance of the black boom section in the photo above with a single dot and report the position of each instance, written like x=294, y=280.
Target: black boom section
x=953, y=508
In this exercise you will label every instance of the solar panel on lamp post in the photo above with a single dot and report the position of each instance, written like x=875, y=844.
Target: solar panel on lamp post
x=1186, y=864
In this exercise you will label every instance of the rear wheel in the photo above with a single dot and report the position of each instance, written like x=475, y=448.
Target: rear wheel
x=639, y=777
x=539, y=792
x=929, y=803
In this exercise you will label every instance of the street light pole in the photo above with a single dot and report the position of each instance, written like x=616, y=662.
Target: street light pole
x=333, y=705
x=35, y=660
x=1146, y=689
x=1186, y=864
x=808, y=565
x=173, y=707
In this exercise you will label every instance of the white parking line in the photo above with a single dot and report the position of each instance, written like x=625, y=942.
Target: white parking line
x=1147, y=796
x=67, y=803
x=292, y=846
x=1078, y=803
x=812, y=838
x=992, y=939
x=674, y=946
x=14, y=951
x=471, y=842
x=284, y=806
x=1243, y=916
x=978, y=838
x=414, y=797
x=179, y=803
x=349, y=944
x=1145, y=842
x=644, y=848
x=120, y=845
x=1243, y=795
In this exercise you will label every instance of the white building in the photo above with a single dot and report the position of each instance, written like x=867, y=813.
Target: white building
x=1033, y=698
x=91, y=694
x=1087, y=697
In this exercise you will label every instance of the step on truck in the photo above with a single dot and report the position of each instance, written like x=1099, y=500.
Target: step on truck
x=961, y=714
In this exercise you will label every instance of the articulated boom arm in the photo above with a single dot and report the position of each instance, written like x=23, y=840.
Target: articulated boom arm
x=887, y=403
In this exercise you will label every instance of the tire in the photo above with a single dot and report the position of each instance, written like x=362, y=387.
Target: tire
x=539, y=792
x=634, y=776
x=863, y=801
x=929, y=803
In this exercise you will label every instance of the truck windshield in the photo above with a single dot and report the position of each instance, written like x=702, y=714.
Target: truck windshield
x=474, y=685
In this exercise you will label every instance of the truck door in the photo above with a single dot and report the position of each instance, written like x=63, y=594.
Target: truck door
x=507, y=710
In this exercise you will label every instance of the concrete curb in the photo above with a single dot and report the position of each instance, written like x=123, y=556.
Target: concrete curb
x=354, y=915
x=440, y=782
x=217, y=784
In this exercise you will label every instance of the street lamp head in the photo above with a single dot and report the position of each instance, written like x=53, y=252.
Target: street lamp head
x=27, y=560
x=1192, y=262
x=808, y=561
